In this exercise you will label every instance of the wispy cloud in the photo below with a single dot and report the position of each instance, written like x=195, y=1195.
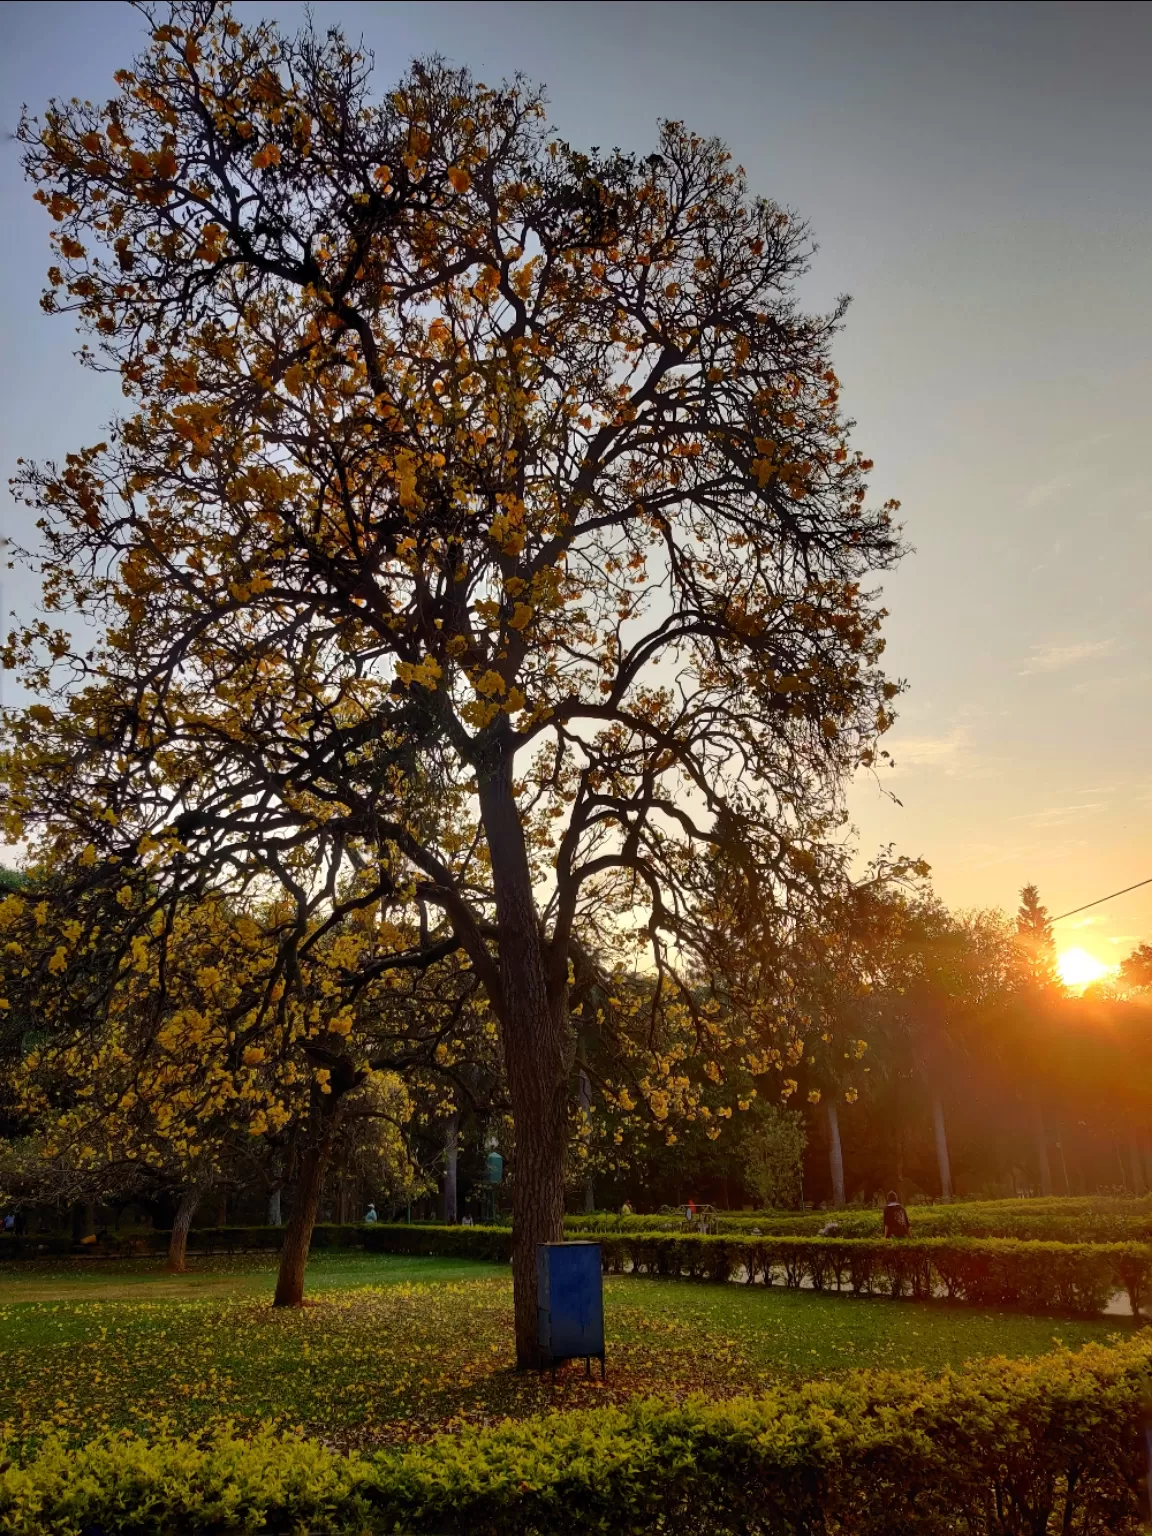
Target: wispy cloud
x=951, y=754
x=927, y=751
x=1060, y=815
x=1053, y=658
x=1045, y=491
x=1113, y=685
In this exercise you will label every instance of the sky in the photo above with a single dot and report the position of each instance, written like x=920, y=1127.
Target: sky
x=978, y=178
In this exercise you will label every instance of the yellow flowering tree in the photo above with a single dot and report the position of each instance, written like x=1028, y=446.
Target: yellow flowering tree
x=482, y=541
x=182, y=1057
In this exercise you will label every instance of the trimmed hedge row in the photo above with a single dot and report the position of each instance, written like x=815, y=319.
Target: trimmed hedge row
x=987, y=1272
x=1088, y=1219
x=200, y=1240
x=1008, y=1448
x=994, y=1272
x=491, y=1243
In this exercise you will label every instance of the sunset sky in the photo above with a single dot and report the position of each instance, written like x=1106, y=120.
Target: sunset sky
x=979, y=179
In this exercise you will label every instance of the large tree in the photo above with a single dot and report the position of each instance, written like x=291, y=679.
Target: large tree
x=484, y=521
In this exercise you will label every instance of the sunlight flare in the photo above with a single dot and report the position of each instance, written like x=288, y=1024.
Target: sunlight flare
x=1080, y=969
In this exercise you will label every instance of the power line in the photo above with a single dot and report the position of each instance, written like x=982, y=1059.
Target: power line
x=1099, y=899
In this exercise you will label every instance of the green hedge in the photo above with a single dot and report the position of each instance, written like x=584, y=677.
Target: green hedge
x=1088, y=1219
x=988, y=1272
x=1007, y=1448
x=994, y=1272
x=205, y=1240
x=492, y=1243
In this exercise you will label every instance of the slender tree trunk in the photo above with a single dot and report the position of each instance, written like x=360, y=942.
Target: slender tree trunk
x=275, y=1203
x=835, y=1156
x=1079, y=1185
x=1139, y=1185
x=298, y=1233
x=451, y=1157
x=1146, y=1151
x=1042, y=1150
x=943, y=1161
x=1063, y=1163
x=178, y=1242
x=532, y=1006
x=586, y=1106
x=898, y=1126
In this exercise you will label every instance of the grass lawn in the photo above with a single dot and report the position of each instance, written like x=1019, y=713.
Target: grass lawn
x=398, y=1348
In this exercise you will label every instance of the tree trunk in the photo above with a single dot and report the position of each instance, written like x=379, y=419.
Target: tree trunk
x=1146, y=1149
x=1139, y=1185
x=898, y=1125
x=1064, y=1164
x=451, y=1155
x=537, y=1207
x=298, y=1234
x=1119, y=1151
x=1079, y=1184
x=532, y=1006
x=586, y=1106
x=835, y=1156
x=275, y=1211
x=942, y=1158
x=1042, y=1150
x=178, y=1242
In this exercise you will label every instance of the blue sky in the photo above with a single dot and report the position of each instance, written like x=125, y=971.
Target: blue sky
x=978, y=177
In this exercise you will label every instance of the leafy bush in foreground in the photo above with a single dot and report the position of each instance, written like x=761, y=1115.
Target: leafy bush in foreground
x=1009, y=1448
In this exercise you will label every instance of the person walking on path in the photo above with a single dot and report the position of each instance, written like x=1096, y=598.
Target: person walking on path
x=896, y=1223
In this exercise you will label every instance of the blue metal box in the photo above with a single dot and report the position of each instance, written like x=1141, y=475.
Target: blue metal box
x=570, y=1303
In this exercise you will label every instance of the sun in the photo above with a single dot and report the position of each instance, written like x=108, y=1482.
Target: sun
x=1079, y=969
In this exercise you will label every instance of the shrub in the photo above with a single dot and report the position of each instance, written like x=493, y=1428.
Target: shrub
x=1007, y=1448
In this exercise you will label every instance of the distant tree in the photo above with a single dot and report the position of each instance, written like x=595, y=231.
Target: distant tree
x=1037, y=951
x=773, y=1145
x=1035, y=942
x=1136, y=970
